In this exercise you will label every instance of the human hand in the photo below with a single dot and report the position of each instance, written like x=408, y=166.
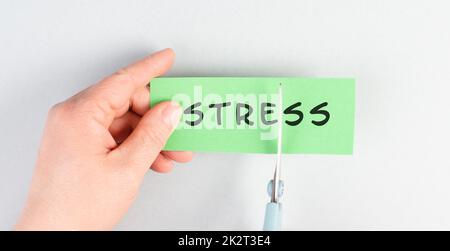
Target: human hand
x=97, y=147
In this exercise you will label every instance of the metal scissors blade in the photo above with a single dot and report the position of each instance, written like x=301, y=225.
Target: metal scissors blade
x=276, y=176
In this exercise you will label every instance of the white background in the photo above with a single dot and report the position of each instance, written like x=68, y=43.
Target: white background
x=398, y=51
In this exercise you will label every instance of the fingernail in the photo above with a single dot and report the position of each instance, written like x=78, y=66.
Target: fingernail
x=171, y=114
x=161, y=51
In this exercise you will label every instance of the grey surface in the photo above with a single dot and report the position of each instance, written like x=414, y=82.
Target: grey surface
x=398, y=51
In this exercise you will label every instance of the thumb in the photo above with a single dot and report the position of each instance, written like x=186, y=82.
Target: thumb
x=145, y=143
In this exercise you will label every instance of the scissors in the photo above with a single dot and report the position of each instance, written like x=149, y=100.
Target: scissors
x=272, y=219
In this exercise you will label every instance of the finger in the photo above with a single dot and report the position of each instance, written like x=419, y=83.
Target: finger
x=162, y=164
x=141, y=100
x=178, y=156
x=145, y=143
x=111, y=98
x=122, y=127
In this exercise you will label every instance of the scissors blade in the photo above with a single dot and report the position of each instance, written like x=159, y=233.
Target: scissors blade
x=276, y=176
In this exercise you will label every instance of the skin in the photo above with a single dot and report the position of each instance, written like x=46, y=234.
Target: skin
x=96, y=148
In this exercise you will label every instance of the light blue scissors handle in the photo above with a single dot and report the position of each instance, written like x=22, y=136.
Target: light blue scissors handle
x=272, y=219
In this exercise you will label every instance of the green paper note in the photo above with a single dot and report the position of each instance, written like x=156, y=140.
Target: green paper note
x=228, y=114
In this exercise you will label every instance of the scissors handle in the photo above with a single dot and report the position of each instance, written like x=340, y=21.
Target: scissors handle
x=272, y=219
